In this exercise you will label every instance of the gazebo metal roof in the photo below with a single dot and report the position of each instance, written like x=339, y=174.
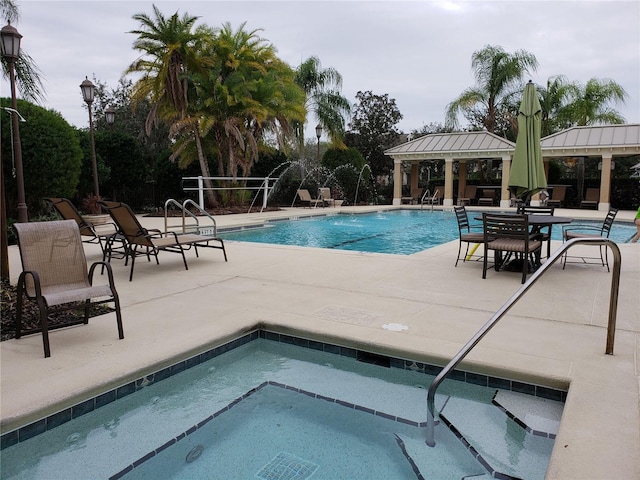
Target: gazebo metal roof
x=592, y=140
x=457, y=145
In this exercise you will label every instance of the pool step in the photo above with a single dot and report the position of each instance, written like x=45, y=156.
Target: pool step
x=512, y=437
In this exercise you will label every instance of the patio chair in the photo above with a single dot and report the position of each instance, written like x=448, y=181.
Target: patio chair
x=591, y=198
x=557, y=197
x=509, y=233
x=141, y=241
x=54, y=275
x=465, y=233
x=415, y=198
x=589, y=231
x=102, y=234
x=468, y=196
x=487, y=198
x=325, y=196
x=305, y=198
x=545, y=235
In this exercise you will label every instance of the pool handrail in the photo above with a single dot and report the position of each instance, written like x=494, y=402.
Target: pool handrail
x=611, y=326
x=185, y=227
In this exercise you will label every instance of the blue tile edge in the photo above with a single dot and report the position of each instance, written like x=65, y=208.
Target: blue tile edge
x=40, y=426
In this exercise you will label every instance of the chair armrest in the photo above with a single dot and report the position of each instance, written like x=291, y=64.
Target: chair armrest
x=22, y=283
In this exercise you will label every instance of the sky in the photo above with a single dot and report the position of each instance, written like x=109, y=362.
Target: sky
x=417, y=52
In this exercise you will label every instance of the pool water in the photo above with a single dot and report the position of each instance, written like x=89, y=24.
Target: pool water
x=402, y=232
x=276, y=411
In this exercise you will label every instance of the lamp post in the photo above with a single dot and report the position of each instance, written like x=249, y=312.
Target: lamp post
x=11, y=52
x=318, y=135
x=88, y=91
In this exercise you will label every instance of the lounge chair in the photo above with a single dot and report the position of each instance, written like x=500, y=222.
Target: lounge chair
x=509, y=233
x=415, y=198
x=487, y=198
x=468, y=196
x=92, y=233
x=325, y=196
x=466, y=233
x=589, y=231
x=545, y=235
x=54, y=275
x=591, y=198
x=141, y=241
x=305, y=198
x=558, y=194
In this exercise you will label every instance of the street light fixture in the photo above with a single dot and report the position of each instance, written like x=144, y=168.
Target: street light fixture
x=11, y=51
x=88, y=91
x=110, y=115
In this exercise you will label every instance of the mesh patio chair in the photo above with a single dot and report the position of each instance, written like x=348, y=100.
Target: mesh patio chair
x=101, y=234
x=509, y=233
x=590, y=231
x=54, y=275
x=149, y=242
x=466, y=234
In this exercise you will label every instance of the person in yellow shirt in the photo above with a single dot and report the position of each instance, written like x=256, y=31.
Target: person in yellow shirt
x=636, y=237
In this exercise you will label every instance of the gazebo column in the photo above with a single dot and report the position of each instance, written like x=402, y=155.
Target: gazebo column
x=605, y=183
x=462, y=178
x=397, y=182
x=415, y=176
x=448, y=182
x=505, y=196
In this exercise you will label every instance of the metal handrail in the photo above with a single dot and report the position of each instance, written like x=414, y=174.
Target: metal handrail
x=428, y=195
x=611, y=327
x=186, y=211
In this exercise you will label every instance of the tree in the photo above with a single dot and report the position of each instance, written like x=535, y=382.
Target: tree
x=499, y=77
x=28, y=75
x=323, y=98
x=51, y=157
x=170, y=52
x=553, y=100
x=373, y=129
x=590, y=105
x=433, y=127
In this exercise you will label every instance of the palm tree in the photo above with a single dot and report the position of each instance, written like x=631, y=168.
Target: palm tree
x=28, y=75
x=171, y=52
x=323, y=98
x=249, y=93
x=499, y=76
x=590, y=106
x=554, y=100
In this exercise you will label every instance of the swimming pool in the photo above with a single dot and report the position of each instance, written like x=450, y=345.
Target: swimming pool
x=274, y=410
x=403, y=232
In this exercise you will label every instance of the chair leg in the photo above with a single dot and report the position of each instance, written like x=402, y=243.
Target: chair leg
x=459, y=249
x=484, y=261
x=44, y=324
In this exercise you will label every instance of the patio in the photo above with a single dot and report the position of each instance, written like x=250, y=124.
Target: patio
x=554, y=337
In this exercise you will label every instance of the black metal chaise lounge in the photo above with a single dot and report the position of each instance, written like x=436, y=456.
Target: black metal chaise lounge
x=147, y=242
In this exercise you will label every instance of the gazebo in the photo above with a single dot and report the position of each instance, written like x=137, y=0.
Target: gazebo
x=606, y=142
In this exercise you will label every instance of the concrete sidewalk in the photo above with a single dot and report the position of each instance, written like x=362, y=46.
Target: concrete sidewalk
x=555, y=336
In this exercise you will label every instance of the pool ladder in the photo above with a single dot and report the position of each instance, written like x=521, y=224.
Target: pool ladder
x=431, y=199
x=193, y=225
x=611, y=327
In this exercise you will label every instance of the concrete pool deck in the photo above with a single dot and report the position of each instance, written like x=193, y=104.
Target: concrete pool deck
x=555, y=336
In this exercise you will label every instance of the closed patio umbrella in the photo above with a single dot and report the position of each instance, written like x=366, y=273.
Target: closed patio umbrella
x=527, y=172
